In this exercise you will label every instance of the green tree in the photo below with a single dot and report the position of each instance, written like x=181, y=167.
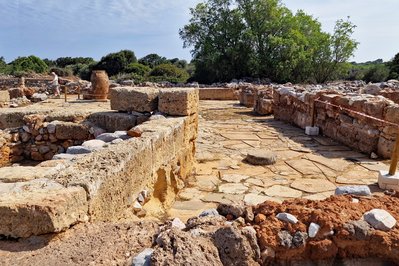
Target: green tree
x=3, y=65
x=67, y=61
x=220, y=50
x=393, y=66
x=168, y=72
x=28, y=64
x=377, y=73
x=115, y=63
x=262, y=38
x=336, y=52
x=138, y=69
x=153, y=60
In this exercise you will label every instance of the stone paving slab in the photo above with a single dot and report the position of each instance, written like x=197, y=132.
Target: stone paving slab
x=306, y=167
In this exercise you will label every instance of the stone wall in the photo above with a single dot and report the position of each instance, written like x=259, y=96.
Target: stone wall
x=28, y=82
x=123, y=179
x=219, y=94
x=356, y=131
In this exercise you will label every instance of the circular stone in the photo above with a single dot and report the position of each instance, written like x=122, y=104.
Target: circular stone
x=261, y=157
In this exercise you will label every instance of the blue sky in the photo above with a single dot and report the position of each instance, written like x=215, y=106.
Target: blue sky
x=56, y=28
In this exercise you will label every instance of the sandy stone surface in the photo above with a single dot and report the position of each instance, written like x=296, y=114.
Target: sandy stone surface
x=307, y=167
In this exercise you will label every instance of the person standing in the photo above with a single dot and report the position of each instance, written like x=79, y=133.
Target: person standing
x=55, y=85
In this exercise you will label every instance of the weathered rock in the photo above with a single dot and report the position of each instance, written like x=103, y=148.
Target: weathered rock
x=313, y=230
x=94, y=144
x=235, y=209
x=38, y=97
x=285, y=239
x=143, y=258
x=360, y=229
x=78, y=150
x=16, y=93
x=236, y=247
x=353, y=190
x=261, y=157
x=69, y=130
x=179, y=101
x=210, y=212
x=134, y=99
x=299, y=239
x=40, y=206
x=107, y=137
x=177, y=223
x=135, y=132
x=380, y=219
x=286, y=217
x=182, y=248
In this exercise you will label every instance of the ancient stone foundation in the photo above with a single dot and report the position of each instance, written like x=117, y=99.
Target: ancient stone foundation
x=110, y=177
x=352, y=129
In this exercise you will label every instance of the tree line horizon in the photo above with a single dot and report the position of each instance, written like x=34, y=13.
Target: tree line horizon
x=234, y=39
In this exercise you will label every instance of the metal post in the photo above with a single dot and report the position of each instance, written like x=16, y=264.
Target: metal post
x=66, y=93
x=79, y=92
x=394, y=157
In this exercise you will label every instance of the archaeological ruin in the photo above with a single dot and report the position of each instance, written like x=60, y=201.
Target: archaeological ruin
x=229, y=174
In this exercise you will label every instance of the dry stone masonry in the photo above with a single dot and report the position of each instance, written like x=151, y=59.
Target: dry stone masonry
x=103, y=176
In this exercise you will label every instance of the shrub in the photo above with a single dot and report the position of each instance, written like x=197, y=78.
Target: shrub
x=28, y=64
x=115, y=63
x=168, y=72
x=138, y=69
x=376, y=73
x=62, y=72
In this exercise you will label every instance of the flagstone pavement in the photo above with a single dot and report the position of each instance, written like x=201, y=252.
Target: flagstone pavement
x=307, y=167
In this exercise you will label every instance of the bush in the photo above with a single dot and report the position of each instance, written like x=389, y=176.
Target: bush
x=28, y=64
x=170, y=73
x=138, y=69
x=62, y=72
x=377, y=73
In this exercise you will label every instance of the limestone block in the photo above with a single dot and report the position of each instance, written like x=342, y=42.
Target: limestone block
x=39, y=207
x=179, y=101
x=134, y=99
x=4, y=96
x=385, y=147
x=69, y=130
x=353, y=190
x=392, y=113
x=113, y=121
x=223, y=94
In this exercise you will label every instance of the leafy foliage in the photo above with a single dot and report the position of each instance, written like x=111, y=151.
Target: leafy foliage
x=394, y=67
x=376, y=73
x=115, y=63
x=28, y=64
x=152, y=60
x=262, y=38
x=168, y=72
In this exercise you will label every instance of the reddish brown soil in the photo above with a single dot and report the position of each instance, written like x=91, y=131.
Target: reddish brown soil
x=331, y=214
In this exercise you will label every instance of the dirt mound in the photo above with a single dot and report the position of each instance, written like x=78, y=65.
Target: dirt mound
x=342, y=233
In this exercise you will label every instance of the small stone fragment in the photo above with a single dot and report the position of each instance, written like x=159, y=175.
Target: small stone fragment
x=261, y=157
x=353, y=190
x=286, y=217
x=137, y=206
x=380, y=219
x=143, y=258
x=78, y=150
x=135, y=132
x=285, y=239
x=210, y=212
x=177, y=223
x=313, y=230
x=299, y=239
